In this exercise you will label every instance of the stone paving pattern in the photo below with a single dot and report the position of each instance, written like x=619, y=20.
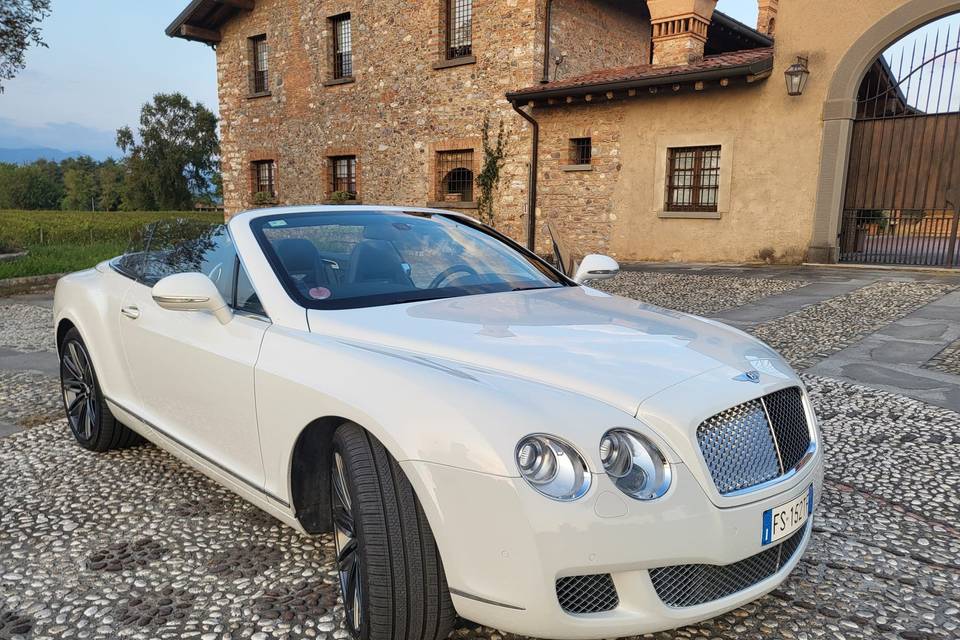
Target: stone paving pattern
x=698, y=294
x=135, y=544
x=947, y=360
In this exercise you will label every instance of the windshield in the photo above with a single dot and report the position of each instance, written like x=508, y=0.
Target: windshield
x=369, y=258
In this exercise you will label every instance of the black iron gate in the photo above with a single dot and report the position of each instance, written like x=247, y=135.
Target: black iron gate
x=902, y=201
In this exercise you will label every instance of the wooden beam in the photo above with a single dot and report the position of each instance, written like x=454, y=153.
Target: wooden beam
x=198, y=33
x=246, y=5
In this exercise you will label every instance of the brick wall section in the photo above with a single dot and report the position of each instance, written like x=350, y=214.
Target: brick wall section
x=596, y=35
x=398, y=110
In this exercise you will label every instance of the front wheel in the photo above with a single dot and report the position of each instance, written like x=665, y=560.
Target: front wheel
x=391, y=576
x=90, y=419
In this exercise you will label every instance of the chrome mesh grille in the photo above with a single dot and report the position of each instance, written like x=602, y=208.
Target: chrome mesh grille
x=738, y=447
x=587, y=594
x=687, y=585
x=741, y=448
x=789, y=424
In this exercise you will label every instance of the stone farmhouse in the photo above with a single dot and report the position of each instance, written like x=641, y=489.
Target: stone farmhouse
x=646, y=129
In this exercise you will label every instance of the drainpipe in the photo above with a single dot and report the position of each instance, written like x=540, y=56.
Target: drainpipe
x=547, y=29
x=532, y=180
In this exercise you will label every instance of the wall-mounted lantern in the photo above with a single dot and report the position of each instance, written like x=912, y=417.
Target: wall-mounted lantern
x=796, y=76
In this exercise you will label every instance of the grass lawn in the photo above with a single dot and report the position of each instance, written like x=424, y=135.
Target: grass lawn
x=61, y=241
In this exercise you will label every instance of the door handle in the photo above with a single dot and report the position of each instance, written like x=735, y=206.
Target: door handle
x=131, y=312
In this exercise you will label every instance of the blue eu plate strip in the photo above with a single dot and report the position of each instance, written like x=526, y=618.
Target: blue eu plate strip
x=767, y=535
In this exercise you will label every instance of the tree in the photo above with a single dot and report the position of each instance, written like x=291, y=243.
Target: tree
x=110, y=181
x=81, y=187
x=34, y=186
x=19, y=20
x=174, y=155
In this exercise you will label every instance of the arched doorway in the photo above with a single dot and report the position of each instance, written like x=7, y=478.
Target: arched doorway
x=847, y=104
x=903, y=179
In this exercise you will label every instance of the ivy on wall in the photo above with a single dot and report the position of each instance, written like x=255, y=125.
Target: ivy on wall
x=489, y=176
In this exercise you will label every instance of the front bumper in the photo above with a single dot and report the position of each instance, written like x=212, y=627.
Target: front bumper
x=504, y=546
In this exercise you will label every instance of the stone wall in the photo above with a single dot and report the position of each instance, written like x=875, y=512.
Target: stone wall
x=593, y=34
x=578, y=200
x=398, y=111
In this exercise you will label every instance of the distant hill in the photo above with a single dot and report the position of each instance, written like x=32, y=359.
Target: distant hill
x=27, y=155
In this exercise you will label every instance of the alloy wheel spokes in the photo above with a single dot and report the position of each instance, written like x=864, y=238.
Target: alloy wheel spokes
x=348, y=551
x=77, y=379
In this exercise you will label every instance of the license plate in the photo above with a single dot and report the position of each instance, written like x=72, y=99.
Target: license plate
x=780, y=522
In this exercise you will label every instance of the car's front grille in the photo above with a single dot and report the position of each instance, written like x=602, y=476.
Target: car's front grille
x=587, y=594
x=756, y=441
x=687, y=585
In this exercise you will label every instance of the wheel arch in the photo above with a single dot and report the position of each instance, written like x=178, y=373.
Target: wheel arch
x=310, y=473
x=63, y=327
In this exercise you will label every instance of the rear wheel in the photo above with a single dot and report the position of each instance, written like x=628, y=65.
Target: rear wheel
x=391, y=576
x=90, y=420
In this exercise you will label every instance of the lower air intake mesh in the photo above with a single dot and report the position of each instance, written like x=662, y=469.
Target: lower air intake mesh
x=687, y=585
x=587, y=594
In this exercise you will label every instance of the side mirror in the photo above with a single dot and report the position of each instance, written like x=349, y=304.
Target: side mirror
x=596, y=267
x=191, y=292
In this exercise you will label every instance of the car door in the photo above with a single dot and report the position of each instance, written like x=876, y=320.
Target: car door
x=193, y=376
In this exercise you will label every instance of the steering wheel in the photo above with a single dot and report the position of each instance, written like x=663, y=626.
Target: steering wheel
x=449, y=271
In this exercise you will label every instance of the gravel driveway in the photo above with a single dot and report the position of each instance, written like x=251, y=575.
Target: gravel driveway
x=135, y=544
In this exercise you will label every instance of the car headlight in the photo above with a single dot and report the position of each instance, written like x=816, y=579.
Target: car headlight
x=635, y=464
x=552, y=467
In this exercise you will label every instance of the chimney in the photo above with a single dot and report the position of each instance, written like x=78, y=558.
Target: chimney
x=679, y=30
x=767, y=17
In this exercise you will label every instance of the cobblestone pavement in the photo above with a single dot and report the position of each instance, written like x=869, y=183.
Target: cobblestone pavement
x=698, y=294
x=947, y=360
x=815, y=332
x=135, y=544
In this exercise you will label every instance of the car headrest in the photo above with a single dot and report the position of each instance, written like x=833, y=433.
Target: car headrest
x=298, y=255
x=376, y=261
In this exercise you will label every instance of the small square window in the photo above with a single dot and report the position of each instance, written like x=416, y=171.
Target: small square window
x=342, y=46
x=259, y=65
x=693, y=178
x=454, y=176
x=581, y=151
x=343, y=172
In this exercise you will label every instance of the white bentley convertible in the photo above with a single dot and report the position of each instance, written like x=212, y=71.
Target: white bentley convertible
x=484, y=435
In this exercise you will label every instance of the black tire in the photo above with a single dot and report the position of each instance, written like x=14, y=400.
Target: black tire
x=403, y=591
x=78, y=379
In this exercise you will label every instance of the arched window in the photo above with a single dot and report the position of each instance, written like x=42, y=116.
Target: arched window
x=455, y=176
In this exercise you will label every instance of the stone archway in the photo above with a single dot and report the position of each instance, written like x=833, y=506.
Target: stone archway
x=839, y=110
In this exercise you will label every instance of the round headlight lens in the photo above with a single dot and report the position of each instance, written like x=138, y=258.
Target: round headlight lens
x=635, y=464
x=552, y=467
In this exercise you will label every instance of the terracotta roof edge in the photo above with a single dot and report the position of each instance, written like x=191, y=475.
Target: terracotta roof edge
x=752, y=68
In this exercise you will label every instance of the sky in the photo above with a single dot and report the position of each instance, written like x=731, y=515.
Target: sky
x=108, y=57
x=105, y=59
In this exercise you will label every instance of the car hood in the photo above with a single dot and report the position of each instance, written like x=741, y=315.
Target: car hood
x=613, y=349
